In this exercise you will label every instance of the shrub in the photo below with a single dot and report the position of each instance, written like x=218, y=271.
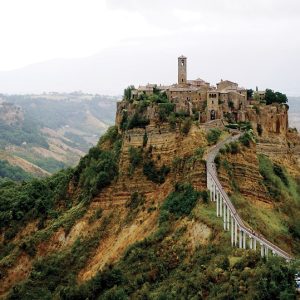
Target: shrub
x=165, y=109
x=246, y=139
x=278, y=171
x=154, y=174
x=124, y=120
x=181, y=201
x=137, y=121
x=172, y=121
x=135, y=158
x=234, y=147
x=213, y=136
x=186, y=126
x=199, y=152
x=136, y=200
x=111, y=135
x=128, y=92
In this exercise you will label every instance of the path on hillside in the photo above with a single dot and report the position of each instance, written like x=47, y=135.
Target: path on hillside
x=241, y=236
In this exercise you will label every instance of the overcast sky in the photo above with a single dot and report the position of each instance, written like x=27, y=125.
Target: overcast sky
x=253, y=42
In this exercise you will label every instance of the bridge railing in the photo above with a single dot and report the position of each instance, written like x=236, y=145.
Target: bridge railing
x=211, y=171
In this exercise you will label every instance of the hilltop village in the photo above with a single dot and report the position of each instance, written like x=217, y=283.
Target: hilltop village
x=210, y=105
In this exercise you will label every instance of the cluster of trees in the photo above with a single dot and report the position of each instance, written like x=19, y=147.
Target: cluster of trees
x=162, y=267
x=13, y=172
x=99, y=167
x=37, y=198
x=275, y=97
x=270, y=96
x=27, y=132
x=181, y=201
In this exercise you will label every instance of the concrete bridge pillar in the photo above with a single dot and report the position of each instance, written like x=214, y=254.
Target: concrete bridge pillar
x=262, y=250
x=221, y=206
x=235, y=233
x=250, y=242
x=244, y=239
x=240, y=238
x=217, y=206
x=228, y=218
x=216, y=193
x=224, y=216
x=232, y=231
x=266, y=251
x=254, y=244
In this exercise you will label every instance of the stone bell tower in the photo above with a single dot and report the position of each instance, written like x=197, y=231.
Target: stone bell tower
x=181, y=69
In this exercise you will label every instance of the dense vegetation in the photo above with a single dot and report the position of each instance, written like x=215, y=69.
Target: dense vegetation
x=182, y=200
x=27, y=132
x=162, y=266
x=100, y=166
x=275, y=97
x=48, y=198
x=12, y=172
x=22, y=202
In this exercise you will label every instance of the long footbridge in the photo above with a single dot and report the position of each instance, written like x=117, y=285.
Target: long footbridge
x=241, y=236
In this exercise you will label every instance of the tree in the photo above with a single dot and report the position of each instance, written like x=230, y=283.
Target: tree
x=275, y=97
x=127, y=92
x=249, y=94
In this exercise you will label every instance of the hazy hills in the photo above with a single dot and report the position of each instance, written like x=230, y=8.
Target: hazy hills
x=44, y=133
x=294, y=112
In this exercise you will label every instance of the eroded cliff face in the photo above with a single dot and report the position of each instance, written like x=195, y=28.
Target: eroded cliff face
x=112, y=221
x=268, y=119
x=121, y=224
x=267, y=201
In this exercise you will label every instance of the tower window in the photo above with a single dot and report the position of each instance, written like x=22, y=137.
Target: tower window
x=182, y=62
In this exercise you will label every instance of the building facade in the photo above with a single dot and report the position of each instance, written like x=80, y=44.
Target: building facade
x=211, y=102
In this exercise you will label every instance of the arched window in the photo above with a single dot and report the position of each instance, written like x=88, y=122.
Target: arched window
x=212, y=115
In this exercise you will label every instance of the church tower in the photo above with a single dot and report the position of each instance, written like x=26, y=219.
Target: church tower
x=181, y=69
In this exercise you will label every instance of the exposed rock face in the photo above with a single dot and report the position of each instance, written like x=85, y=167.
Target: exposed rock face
x=245, y=173
x=270, y=118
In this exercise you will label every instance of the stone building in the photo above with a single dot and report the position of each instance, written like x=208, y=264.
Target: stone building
x=225, y=101
x=199, y=96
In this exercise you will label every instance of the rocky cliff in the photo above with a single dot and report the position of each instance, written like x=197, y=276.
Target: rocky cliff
x=133, y=220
